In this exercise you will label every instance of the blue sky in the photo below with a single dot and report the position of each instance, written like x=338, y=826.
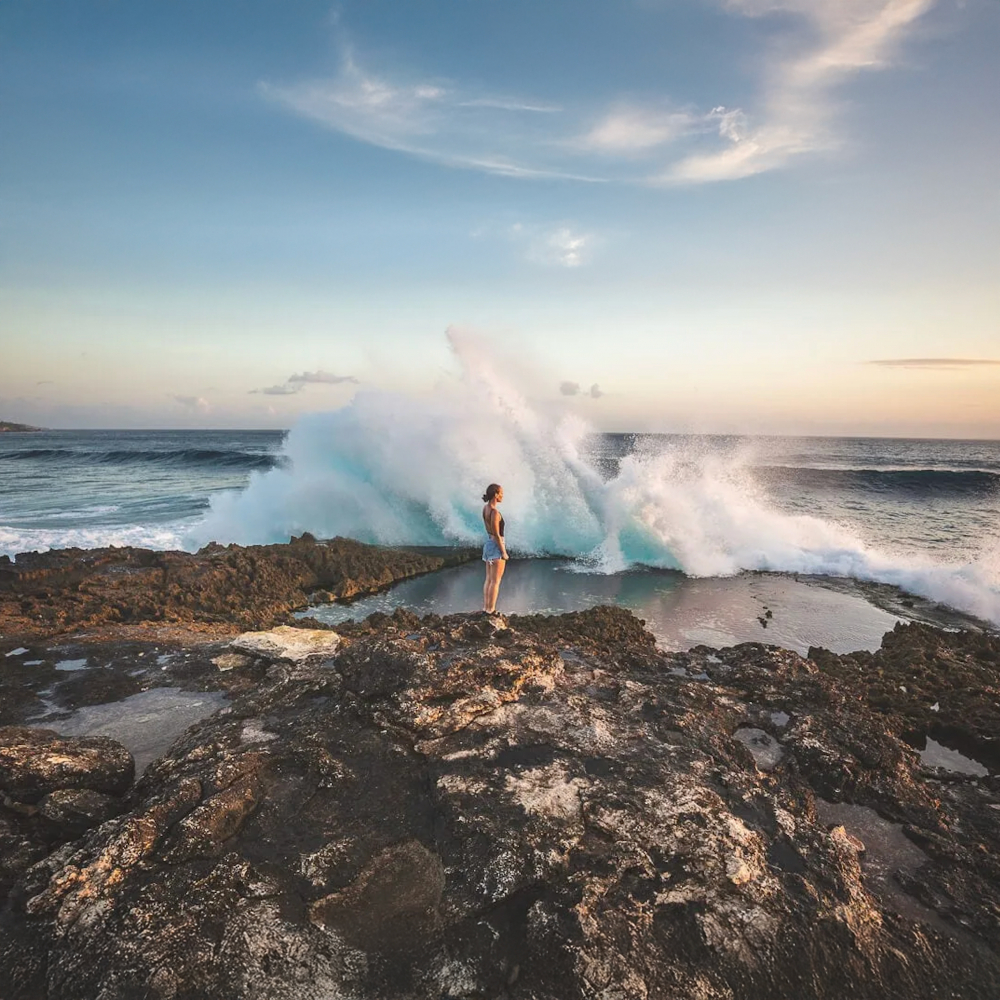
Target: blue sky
x=719, y=211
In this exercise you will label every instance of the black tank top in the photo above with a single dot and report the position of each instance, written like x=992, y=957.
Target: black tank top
x=487, y=523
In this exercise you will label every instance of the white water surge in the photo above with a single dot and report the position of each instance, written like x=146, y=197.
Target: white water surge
x=395, y=469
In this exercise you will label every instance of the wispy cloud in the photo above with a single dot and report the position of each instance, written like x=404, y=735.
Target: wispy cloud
x=797, y=113
x=561, y=244
x=816, y=45
x=502, y=104
x=629, y=130
x=431, y=119
x=296, y=383
x=562, y=247
x=196, y=404
x=935, y=363
x=284, y=389
x=321, y=378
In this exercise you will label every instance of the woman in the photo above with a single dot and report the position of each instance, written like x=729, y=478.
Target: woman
x=494, y=551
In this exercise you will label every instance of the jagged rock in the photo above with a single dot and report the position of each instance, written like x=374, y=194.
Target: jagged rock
x=929, y=680
x=548, y=808
x=78, y=809
x=35, y=762
x=231, y=661
x=287, y=643
x=253, y=586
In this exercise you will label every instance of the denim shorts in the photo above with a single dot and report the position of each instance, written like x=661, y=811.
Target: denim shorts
x=491, y=551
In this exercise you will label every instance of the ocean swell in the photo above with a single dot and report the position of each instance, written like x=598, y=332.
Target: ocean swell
x=906, y=482
x=211, y=458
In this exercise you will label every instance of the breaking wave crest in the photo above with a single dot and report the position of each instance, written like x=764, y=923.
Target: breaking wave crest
x=396, y=469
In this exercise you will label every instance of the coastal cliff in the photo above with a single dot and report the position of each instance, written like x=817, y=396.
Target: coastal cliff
x=7, y=427
x=537, y=807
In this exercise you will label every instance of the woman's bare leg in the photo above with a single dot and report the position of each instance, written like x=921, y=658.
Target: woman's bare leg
x=500, y=565
x=488, y=586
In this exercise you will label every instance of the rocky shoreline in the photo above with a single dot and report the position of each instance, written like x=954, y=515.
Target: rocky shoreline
x=233, y=586
x=463, y=806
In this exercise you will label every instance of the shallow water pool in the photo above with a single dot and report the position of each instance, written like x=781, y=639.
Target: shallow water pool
x=680, y=611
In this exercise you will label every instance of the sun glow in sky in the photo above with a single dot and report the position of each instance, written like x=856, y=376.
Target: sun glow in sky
x=709, y=215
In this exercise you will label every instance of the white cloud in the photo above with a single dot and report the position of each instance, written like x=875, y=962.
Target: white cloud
x=428, y=119
x=364, y=105
x=797, y=114
x=630, y=130
x=550, y=245
x=196, y=404
x=574, y=389
x=562, y=247
x=816, y=46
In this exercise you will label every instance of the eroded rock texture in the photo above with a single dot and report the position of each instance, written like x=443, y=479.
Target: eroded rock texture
x=53, y=789
x=250, y=586
x=545, y=808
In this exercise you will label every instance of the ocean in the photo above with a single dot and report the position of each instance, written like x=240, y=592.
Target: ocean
x=922, y=516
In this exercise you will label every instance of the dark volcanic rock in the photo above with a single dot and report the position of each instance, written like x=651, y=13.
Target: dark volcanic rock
x=52, y=790
x=929, y=682
x=253, y=586
x=554, y=809
x=35, y=762
x=78, y=809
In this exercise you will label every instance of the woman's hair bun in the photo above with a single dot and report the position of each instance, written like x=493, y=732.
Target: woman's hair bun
x=491, y=491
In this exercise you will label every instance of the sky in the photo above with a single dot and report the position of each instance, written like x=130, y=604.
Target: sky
x=758, y=216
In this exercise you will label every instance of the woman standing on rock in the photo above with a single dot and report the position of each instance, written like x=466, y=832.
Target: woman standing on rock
x=494, y=551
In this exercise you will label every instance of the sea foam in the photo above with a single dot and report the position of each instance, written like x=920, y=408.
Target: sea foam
x=396, y=469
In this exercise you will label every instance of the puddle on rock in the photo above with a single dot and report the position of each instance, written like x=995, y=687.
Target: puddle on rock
x=936, y=755
x=766, y=750
x=146, y=723
x=70, y=665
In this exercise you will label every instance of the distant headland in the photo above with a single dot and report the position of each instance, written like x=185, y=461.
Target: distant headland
x=6, y=427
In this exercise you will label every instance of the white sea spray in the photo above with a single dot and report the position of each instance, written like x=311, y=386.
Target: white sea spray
x=397, y=469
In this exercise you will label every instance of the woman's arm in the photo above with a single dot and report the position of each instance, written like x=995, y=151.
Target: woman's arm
x=495, y=531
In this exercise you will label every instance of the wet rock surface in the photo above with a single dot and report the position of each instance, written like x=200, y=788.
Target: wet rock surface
x=35, y=762
x=250, y=586
x=534, y=807
x=930, y=682
x=53, y=789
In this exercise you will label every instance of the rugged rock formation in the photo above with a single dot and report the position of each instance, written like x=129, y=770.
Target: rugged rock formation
x=53, y=789
x=925, y=678
x=539, y=808
x=35, y=762
x=253, y=586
